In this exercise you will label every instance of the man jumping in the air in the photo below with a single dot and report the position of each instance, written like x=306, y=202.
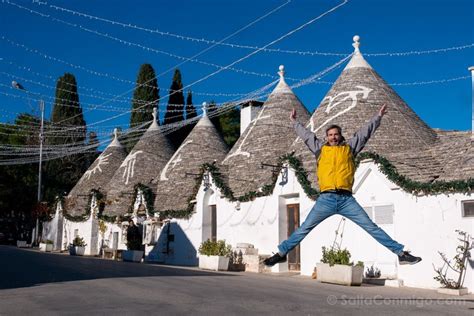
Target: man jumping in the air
x=335, y=173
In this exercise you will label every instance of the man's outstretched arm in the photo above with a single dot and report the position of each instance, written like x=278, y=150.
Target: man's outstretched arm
x=308, y=137
x=358, y=141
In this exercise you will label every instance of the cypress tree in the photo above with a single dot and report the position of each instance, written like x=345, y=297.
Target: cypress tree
x=145, y=97
x=67, y=127
x=67, y=112
x=190, y=109
x=175, y=109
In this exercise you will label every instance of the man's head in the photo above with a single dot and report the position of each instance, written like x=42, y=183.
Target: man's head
x=334, y=135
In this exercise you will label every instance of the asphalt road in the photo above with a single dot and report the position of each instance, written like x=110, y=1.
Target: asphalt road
x=49, y=284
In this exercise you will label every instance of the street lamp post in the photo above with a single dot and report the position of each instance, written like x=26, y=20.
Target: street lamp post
x=18, y=86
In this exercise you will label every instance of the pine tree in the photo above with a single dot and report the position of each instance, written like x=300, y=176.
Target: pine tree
x=145, y=97
x=175, y=109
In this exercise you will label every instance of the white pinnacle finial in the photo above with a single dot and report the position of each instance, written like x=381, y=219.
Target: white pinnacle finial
x=356, y=43
x=115, y=142
x=282, y=71
x=204, y=121
x=154, y=124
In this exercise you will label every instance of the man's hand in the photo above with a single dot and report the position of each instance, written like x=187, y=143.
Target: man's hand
x=383, y=110
x=293, y=115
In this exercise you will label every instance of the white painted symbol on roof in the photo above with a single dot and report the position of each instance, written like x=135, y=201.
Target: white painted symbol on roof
x=349, y=95
x=129, y=165
x=102, y=160
x=252, y=125
x=174, y=161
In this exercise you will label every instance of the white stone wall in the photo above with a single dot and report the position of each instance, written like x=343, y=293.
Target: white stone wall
x=52, y=229
x=425, y=225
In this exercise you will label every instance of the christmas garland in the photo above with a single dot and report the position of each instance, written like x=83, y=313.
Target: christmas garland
x=388, y=169
x=83, y=217
x=415, y=187
x=147, y=194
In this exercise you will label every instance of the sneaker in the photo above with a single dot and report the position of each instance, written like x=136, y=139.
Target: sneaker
x=276, y=258
x=406, y=258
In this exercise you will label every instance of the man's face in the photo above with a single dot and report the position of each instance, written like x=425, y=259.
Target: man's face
x=333, y=137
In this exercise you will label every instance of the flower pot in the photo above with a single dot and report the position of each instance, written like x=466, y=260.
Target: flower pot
x=132, y=255
x=340, y=274
x=216, y=263
x=458, y=292
x=79, y=251
x=21, y=244
x=45, y=247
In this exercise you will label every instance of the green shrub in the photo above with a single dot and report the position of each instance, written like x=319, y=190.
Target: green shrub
x=336, y=256
x=49, y=242
x=78, y=242
x=215, y=248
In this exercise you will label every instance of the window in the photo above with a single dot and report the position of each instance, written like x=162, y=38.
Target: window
x=380, y=214
x=468, y=208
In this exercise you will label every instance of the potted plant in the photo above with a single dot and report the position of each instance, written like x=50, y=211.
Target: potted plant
x=78, y=247
x=46, y=246
x=335, y=267
x=134, y=244
x=454, y=286
x=214, y=255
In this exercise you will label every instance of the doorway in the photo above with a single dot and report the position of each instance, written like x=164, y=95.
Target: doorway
x=293, y=220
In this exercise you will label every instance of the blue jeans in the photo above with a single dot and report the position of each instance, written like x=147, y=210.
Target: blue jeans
x=329, y=204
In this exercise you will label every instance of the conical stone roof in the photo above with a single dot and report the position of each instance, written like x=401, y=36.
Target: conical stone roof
x=268, y=137
x=176, y=182
x=96, y=177
x=142, y=165
x=353, y=100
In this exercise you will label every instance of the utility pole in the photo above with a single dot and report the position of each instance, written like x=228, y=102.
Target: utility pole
x=18, y=86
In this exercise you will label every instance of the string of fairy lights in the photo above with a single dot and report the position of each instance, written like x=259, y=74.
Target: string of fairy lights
x=236, y=45
x=23, y=154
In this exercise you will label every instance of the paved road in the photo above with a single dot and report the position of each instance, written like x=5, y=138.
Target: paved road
x=48, y=284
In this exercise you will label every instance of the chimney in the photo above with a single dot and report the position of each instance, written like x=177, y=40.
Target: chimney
x=248, y=111
x=471, y=69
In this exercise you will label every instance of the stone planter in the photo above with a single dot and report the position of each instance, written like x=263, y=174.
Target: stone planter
x=79, y=251
x=21, y=244
x=458, y=292
x=216, y=263
x=132, y=255
x=45, y=247
x=340, y=274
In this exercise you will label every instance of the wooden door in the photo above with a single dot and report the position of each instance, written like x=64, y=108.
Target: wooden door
x=213, y=212
x=293, y=216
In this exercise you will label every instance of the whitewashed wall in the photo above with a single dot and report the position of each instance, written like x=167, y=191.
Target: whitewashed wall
x=53, y=229
x=425, y=225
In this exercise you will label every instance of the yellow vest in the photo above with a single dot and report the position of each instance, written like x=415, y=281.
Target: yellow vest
x=336, y=168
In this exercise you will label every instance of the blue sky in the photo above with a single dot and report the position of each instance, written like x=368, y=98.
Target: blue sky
x=384, y=27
